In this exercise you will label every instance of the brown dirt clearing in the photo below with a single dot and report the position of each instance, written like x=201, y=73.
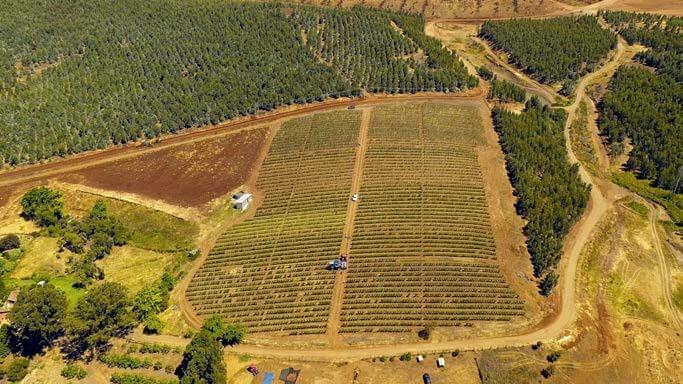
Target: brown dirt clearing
x=188, y=175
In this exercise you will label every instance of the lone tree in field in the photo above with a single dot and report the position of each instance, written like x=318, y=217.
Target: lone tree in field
x=101, y=314
x=37, y=319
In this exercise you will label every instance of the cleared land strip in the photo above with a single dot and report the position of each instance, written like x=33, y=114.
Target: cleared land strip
x=422, y=211
x=333, y=324
x=269, y=272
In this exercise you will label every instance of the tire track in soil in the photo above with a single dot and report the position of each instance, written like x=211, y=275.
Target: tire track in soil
x=664, y=272
x=333, y=321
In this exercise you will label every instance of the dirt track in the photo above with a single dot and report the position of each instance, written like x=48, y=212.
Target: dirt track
x=333, y=323
x=664, y=272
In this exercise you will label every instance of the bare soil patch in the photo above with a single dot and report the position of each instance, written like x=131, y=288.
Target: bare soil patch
x=666, y=7
x=454, y=9
x=191, y=174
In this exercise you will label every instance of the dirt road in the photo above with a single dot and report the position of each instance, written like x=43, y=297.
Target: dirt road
x=333, y=323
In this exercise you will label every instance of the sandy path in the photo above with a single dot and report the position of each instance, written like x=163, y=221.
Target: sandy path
x=333, y=322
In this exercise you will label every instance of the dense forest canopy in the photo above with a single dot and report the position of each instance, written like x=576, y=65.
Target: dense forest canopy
x=506, y=91
x=77, y=75
x=553, y=50
x=551, y=195
x=644, y=106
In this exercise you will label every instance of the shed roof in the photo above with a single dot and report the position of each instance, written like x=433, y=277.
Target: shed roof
x=242, y=197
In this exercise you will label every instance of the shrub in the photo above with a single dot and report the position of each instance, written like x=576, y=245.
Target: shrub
x=4, y=341
x=17, y=369
x=383, y=359
x=455, y=353
x=485, y=73
x=547, y=371
x=553, y=357
x=73, y=371
x=155, y=348
x=153, y=325
x=548, y=283
x=424, y=333
x=406, y=356
x=123, y=361
x=73, y=242
x=129, y=378
x=9, y=242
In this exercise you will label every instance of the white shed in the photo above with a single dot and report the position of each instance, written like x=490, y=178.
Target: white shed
x=242, y=200
x=440, y=362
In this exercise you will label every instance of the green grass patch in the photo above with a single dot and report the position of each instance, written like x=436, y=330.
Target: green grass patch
x=63, y=283
x=638, y=208
x=672, y=202
x=155, y=230
x=627, y=302
x=150, y=229
x=678, y=296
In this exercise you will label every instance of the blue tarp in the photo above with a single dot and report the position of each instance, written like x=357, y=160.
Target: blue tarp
x=268, y=378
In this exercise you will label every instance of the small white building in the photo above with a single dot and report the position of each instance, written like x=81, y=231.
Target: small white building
x=242, y=200
x=440, y=362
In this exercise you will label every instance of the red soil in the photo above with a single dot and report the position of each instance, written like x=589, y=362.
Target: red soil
x=191, y=174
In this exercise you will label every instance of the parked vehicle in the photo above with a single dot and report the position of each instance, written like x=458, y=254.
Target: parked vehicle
x=426, y=378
